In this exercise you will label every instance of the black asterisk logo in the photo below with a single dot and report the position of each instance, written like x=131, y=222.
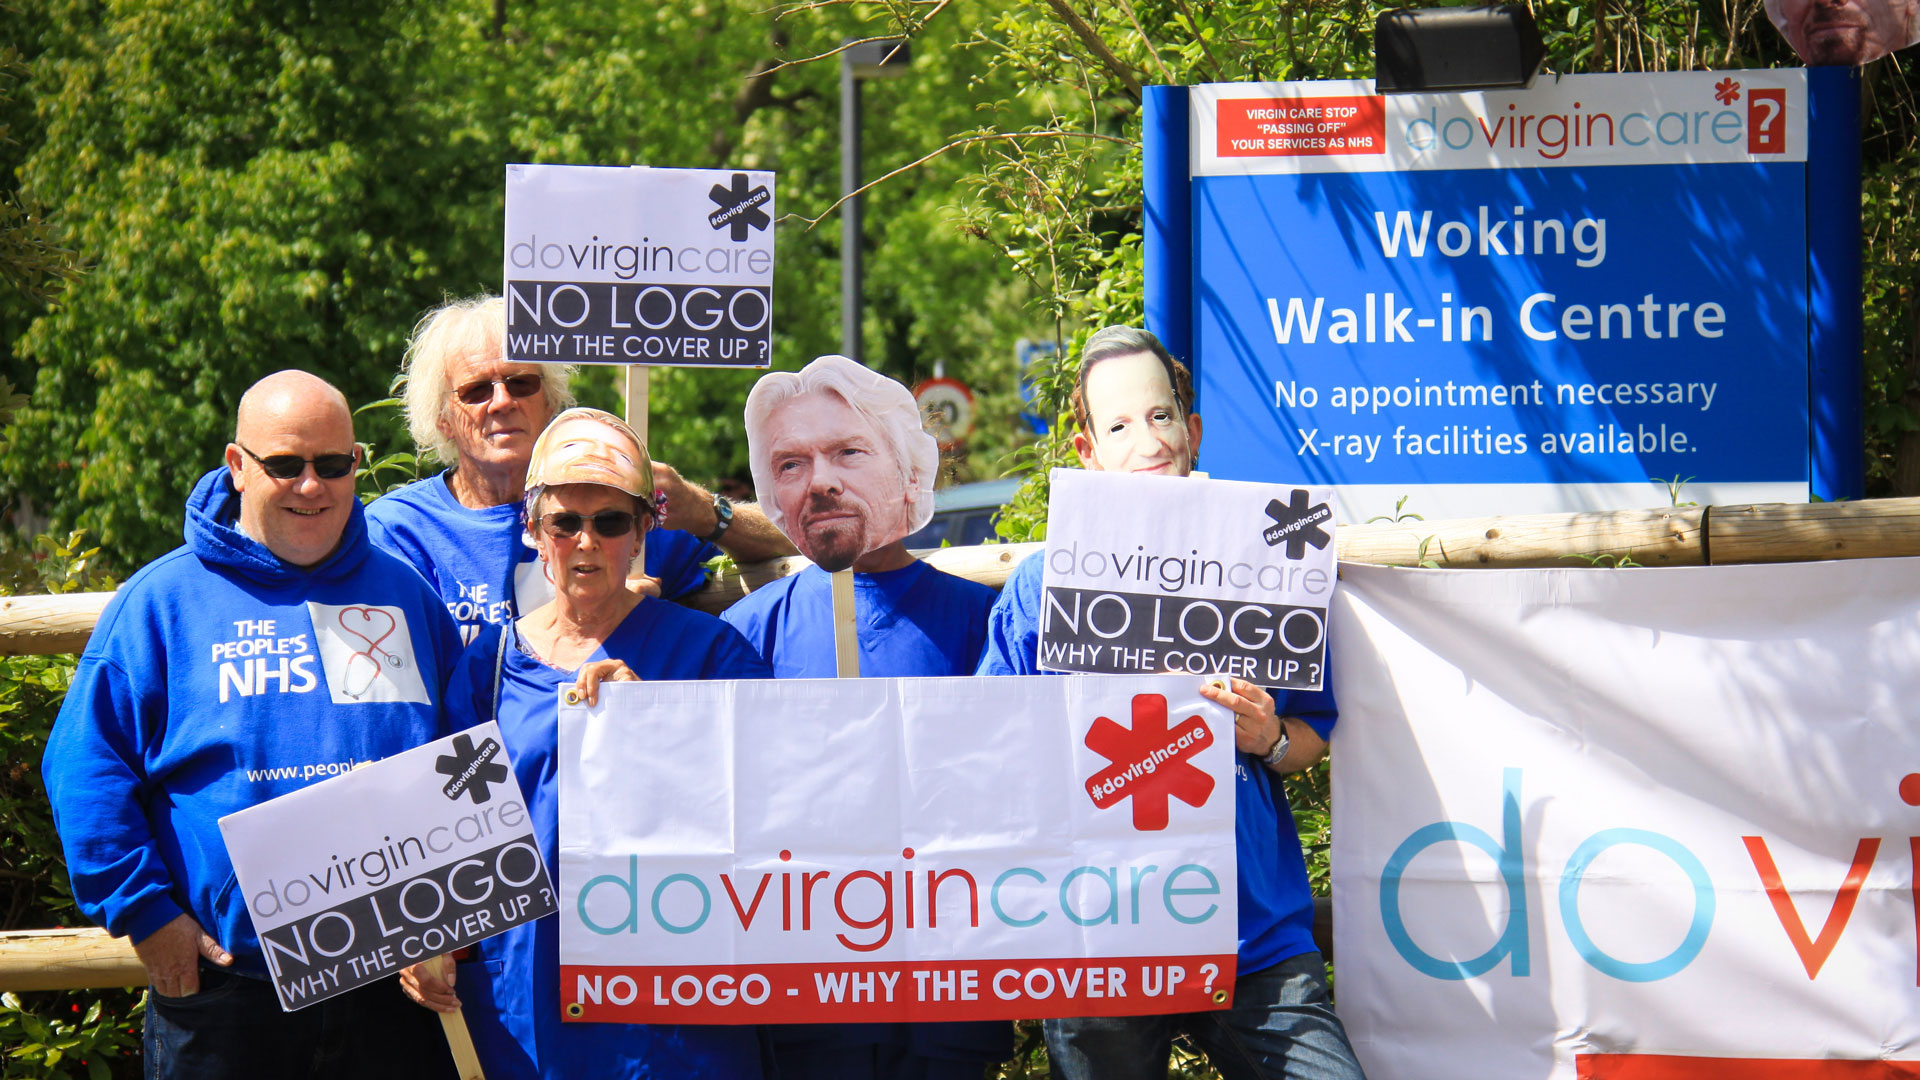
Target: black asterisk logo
x=472, y=770
x=739, y=207
x=1296, y=524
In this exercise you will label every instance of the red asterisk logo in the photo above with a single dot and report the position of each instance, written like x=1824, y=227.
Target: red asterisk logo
x=1150, y=762
x=1726, y=91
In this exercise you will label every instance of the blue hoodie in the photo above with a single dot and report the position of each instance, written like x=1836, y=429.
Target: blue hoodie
x=220, y=677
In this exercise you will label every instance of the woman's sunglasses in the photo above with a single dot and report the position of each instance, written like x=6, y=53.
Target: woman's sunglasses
x=287, y=466
x=606, y=523
x=518, y=386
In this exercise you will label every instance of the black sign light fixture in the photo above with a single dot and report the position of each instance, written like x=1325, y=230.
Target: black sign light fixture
x=1430, y=50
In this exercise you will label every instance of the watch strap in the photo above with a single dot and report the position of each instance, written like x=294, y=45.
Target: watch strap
x=1279, y=748
x=723, y=518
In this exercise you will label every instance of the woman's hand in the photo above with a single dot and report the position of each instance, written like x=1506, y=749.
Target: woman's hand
x=599, y=671
x=430, y=983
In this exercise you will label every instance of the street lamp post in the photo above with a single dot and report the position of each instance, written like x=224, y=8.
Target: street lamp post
x=860, y=60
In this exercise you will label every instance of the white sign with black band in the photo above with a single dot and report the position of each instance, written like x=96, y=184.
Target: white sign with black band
x=1184, y=574
x=356, y=877
x=637, y=265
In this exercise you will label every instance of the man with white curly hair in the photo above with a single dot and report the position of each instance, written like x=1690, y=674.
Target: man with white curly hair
x=472, y=409
x=842, y=465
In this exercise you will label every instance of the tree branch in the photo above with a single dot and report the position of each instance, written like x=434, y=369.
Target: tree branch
x=955, y=145
x=1114, y=65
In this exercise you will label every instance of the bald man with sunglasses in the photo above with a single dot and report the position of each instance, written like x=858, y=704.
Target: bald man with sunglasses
x=479, y=413
x=236, y=669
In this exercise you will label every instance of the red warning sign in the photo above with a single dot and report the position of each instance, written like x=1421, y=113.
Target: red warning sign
x=1294, y=127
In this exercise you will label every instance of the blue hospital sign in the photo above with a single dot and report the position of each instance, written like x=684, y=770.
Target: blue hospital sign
x=1505, y=302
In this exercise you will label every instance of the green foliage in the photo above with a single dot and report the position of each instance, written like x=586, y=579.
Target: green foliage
x=1675, y=485
x=1400, y=513
x=52, y=1035
x=257, y=186
x=70, y=1036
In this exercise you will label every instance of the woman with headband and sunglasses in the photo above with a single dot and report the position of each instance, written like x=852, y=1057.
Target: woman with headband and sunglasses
x=589, y=501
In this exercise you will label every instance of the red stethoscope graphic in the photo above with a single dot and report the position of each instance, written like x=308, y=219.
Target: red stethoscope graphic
x=366, y=623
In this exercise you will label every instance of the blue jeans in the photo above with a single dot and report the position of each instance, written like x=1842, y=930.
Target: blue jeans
x=1281, y=1025
x=233, y=1028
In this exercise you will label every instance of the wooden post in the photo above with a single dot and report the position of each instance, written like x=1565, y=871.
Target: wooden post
x=465, y=1061
x=81, y=958
x=45, y=625
x=634, y=392
x=846, y=629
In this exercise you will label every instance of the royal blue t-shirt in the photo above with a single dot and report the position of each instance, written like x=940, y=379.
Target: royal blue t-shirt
x=481, y=566
x=1276, y=904
x=913, y=621
x=510, y=992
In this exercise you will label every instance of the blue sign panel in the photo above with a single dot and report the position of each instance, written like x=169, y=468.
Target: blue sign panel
x=1514, y=302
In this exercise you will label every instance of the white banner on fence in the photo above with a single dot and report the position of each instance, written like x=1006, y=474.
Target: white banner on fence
x=1166, y=573
x=894, y=849
x=353, y=878
x=1629, y=824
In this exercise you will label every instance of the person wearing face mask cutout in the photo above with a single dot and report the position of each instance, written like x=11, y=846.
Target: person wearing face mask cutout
x=1133, y=404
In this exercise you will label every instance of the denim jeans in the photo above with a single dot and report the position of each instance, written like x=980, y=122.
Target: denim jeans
x=233, y=1028
x=1281, y=1025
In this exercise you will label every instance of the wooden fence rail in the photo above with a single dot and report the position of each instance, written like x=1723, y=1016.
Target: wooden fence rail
x=1679, y=536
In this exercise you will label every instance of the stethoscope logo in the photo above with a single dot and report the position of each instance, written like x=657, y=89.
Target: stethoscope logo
x=373, y=626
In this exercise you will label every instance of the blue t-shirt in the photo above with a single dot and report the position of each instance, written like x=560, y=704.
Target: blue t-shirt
x=914, y=621
x=1276, y=904
x=481, y=566
x=510, y=992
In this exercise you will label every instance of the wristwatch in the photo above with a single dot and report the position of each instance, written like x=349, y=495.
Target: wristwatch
x=723, y=518
x=1279, y=749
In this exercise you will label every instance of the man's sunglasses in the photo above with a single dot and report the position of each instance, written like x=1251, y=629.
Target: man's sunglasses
x=288, y=466
x=606, y=523
x=518, y=386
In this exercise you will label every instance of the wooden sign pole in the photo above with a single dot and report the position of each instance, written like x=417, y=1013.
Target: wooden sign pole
x=465, y=1061
x=846, y=631
x=634, y=393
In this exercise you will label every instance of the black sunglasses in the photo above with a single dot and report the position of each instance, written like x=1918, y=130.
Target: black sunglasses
x=288, y=467
x=518, y=386
x=606, y=523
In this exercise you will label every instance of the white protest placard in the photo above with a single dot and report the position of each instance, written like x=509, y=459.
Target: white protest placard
x=637, y=265
x=1629, y=824
x=1166, y=573
x=353, y=878
x=861, y=850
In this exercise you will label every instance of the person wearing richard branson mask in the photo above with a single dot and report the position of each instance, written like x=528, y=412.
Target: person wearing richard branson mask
x=844, y=468
x=1133, y=404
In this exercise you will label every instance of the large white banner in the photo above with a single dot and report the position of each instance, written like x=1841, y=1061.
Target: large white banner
x=894, y=849
x=1629, y=823
x=1211, y=577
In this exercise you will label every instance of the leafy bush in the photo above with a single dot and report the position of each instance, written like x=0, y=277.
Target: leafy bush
x=68, y=1034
